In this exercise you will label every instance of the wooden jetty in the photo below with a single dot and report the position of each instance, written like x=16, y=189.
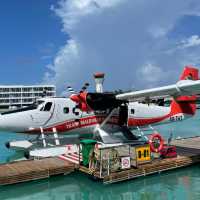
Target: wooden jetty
x=28, y=170
x=188, y=150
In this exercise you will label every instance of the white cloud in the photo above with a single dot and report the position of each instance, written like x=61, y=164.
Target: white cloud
x=151, y=73
x=120, y=37
x=192, y=41
x=71, y=11
x=63, y=65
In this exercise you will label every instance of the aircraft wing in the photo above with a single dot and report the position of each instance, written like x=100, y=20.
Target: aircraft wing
x=181, y=88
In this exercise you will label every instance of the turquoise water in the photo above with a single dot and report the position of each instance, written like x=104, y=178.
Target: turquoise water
x=181, y=184
x=178, y=184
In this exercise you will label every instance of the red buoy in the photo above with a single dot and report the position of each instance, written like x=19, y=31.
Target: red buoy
x=153, y=137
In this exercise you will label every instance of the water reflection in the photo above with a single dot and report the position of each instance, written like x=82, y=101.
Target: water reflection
x=180, y=184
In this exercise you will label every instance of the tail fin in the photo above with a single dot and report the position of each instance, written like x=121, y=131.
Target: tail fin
x=190, y=73
x=186, y=104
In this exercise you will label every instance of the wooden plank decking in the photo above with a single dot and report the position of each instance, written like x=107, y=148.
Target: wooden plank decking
x=23, y=171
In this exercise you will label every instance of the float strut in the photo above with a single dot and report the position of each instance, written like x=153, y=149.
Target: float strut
x=43, y=137
x=55, y=134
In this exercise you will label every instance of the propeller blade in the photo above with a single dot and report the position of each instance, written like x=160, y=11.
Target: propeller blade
x=71, y=90
x=84, y=87
x=87, y=84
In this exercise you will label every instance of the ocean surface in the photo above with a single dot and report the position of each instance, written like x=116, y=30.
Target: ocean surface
x=178, y=184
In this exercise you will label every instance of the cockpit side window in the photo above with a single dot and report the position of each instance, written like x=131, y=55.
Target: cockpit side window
x=47, y=106
x=132, y=111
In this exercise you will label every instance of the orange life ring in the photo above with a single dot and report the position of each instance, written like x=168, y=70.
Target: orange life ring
x=151, y=142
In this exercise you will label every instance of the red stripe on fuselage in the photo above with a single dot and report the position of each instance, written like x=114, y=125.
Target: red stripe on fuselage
x=143, y=122
x=74, y=124
x=94, y=120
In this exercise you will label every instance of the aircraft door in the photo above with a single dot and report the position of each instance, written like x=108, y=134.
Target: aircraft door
x=123, y=115
x=44, y=113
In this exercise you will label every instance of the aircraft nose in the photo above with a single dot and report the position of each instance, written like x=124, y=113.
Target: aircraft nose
x=14, y=122
x=3, y=123
x=7, y=123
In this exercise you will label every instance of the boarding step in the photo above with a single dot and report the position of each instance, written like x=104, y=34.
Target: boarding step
x=72, y=157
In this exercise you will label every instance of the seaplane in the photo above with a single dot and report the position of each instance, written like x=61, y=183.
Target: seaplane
x=100, y=113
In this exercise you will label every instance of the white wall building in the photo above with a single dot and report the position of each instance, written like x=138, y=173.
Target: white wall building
x=20, y=95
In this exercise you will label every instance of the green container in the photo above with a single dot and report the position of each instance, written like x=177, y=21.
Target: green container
x=87, y=147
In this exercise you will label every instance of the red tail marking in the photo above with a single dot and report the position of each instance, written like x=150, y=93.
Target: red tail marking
x=186, y=104
x=190, y=73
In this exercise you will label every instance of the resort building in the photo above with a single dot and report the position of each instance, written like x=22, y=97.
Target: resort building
x=21, y=95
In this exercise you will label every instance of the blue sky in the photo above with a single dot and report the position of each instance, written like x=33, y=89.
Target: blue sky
x=186, y=26
x=30, y=37
x=138, y=44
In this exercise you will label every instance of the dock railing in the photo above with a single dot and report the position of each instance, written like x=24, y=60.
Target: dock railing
x=106, y=159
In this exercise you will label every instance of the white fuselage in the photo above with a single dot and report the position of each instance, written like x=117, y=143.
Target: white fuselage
x=62, y=114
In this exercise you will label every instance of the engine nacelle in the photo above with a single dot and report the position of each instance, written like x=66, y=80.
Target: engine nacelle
x=96, y=101
x=102, y=101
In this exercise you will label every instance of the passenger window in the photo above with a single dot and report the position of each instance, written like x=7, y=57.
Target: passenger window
x=74, y=111
x=145, y=153
x=47, y=106
x=139, y=154
x=132, y=111
x=65, y=110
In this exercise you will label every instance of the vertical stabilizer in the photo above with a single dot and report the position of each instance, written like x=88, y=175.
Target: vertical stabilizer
x=186, y=104
x=190, y=73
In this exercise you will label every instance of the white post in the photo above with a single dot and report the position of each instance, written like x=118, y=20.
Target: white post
x=55, y=134
x=43, y=137
x=79, y=154
x=108, y=172
x=100, y=163
x=99, y=79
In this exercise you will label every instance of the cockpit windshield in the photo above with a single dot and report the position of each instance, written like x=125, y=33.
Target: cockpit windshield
x=46, y=107
x=33, y=106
